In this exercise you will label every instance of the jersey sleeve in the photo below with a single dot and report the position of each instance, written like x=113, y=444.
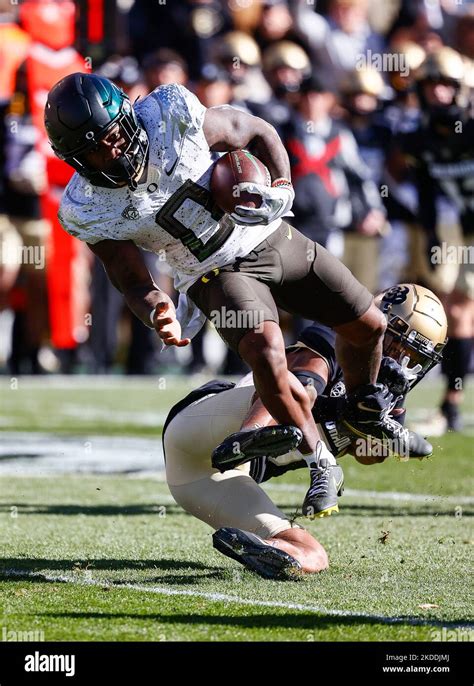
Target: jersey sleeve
x=181, y=105
x=78, y=220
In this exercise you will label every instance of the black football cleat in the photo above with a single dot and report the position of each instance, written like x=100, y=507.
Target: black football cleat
x=419, y=446
x=327, y=484
x=243, y=446
x=253, y=553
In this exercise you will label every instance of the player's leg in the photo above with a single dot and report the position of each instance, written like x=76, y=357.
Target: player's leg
x=273, y=557
x=249, y=527
x=244, y=312
x=303, y=547
x=264, y=352
x=248, y=523
x=233, y=501
x=316, y=285
x=260, y=434
x=457, y=353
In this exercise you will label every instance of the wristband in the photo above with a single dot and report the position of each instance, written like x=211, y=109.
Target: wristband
x=281, y=181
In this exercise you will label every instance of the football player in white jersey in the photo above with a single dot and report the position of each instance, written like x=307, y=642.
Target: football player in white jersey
x=142, y=181
x=225, y=493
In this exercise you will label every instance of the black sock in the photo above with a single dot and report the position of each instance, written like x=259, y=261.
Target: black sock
x=456, y=361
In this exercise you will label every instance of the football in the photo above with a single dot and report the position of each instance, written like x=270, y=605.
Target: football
x=231, y=169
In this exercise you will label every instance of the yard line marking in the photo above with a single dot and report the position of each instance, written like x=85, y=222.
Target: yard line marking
x=382, y=495
x=224, y=597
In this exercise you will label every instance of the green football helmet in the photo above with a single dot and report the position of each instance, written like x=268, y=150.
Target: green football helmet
x=81, y=109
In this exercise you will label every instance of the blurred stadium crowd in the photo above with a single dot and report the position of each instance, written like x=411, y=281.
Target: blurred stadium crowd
x=338, y=80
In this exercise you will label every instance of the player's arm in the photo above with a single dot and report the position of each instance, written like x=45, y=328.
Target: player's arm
x=128, y=272
x=227, y=128
x=302, y=361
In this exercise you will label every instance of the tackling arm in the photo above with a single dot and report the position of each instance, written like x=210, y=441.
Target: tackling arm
x=300, y=360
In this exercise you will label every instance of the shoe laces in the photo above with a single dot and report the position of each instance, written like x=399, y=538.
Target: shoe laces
x=394, y=426
x=319, y=480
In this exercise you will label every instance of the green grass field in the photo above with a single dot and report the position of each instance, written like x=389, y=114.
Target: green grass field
x=111, y=557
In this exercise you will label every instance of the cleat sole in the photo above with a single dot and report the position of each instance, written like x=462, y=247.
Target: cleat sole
x=324, y=513
x=271, y=441
x=265, y=560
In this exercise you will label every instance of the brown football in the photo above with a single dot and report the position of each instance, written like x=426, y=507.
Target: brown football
x=231, y=169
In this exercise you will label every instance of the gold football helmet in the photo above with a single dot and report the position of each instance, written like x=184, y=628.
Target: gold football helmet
x=285, y=53
x=410, y=56
x=444, y=64
x=238, y=45
x=416, y=325
x=366, y=80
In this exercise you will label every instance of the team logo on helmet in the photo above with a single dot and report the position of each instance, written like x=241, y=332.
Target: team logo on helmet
x=396, y=295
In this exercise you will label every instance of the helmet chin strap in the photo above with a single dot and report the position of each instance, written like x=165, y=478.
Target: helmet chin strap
x=133, y=181
x=122, y=172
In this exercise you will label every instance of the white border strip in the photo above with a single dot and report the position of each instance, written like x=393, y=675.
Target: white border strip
x=223, y=597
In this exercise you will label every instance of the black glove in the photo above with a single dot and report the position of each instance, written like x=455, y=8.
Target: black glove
x=391, y=374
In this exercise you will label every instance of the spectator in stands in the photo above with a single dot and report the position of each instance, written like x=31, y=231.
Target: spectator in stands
x=418, y=23
x=465, y=35
x=35, y=181
x=276, y=23
x=285, y=65
x=13, y=49
x=363, y=90
x=189, y=26
x=401, y=116
x=239, y=55
x=338, y=40
x=162, y=67
x=214, y=86
x=125, y=72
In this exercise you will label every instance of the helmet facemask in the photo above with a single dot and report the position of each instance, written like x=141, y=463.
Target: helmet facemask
x=417, y=348
x=416, y=327
x=125, y=169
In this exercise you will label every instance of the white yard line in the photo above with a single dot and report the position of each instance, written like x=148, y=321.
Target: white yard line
x=382, y=495
x=224, y=597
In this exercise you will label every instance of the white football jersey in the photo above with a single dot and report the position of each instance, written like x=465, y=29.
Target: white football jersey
x=171, y=213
